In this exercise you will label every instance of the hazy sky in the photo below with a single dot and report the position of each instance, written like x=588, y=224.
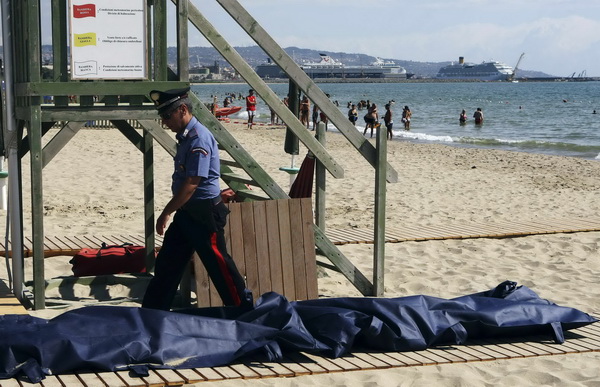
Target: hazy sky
x=558, y=37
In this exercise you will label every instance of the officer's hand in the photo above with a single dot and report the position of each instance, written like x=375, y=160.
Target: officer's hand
x=161, y=223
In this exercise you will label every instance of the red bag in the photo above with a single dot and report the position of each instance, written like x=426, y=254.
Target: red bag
x=115, y=259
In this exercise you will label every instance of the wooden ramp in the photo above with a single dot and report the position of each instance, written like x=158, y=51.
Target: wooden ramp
x=506, y=229
x=586, y=339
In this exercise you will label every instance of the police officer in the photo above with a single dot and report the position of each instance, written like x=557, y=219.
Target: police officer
x=200, y=215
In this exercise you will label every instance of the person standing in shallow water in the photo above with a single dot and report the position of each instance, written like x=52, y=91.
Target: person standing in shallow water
x=478, y=116
x=389, y=123
x=462, y=119
x=406, y=116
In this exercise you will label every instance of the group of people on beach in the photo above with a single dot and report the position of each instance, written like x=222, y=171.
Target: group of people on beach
x=478, y=116
x=372, y=116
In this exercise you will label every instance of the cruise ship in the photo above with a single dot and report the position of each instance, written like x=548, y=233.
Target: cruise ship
x=328, y=67
x=486, y=71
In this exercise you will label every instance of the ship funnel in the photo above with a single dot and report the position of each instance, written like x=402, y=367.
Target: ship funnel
x=461, y=60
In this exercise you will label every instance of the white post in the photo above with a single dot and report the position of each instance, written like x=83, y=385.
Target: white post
x=292, y=175
x=16, y=227
x=3, y=186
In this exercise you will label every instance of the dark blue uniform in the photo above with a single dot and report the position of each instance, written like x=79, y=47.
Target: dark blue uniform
x=197, y=226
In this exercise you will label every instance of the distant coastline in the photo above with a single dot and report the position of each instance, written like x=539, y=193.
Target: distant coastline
x=412, y=80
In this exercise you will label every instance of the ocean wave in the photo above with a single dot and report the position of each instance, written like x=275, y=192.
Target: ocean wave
x=530, y=144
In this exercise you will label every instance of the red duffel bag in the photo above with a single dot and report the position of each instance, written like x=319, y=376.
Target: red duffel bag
x=115, y=259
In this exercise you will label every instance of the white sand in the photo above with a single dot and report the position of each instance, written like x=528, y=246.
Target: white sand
x=94, y=186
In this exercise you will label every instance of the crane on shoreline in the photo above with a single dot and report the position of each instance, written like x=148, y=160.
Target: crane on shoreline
x=514, y=73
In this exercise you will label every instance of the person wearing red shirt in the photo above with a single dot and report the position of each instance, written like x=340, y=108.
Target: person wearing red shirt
x=251, y=107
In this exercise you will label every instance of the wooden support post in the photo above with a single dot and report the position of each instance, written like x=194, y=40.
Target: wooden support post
x=320, y=182
x=149, y=238
x=183, y=62
x=160, y=40
x=59, y=47
x=380, y=202
x=34, y=129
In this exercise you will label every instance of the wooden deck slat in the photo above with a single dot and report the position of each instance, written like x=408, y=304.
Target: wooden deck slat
x=278, y=369
x=190, y=376
x=244, y=371
x=10, y=383
x=53, y=381
x=261, y=369
x=111, y=379
x=131, y=381
x=69, y=380
x=90, y=379
x=209, y=373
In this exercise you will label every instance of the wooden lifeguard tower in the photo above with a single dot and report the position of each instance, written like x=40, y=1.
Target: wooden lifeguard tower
x=83, y=90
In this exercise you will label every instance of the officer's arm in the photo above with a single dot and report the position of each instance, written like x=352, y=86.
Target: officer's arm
x=177, y=201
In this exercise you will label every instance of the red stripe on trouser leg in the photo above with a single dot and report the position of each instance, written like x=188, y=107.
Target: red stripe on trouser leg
x=225, y=270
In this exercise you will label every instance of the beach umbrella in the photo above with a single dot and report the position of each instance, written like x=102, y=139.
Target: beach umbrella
x=291, y=144
x=303, y=185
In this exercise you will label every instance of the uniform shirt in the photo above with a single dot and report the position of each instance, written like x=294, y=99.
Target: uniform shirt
x=197, y=155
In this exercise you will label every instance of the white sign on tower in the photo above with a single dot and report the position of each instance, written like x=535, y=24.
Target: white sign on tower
x=108, y=39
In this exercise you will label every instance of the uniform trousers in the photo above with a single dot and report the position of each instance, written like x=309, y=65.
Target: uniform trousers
x=198, y=226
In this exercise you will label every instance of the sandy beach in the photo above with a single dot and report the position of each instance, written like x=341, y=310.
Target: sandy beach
x=94, y=186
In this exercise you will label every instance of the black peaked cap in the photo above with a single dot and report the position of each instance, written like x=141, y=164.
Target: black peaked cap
x=163, y=99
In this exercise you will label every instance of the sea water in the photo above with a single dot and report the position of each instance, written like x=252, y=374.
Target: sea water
x=541, y=117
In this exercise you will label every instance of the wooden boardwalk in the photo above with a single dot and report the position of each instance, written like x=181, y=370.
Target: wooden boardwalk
x=586, y=339
x=505, y=229
x=70, y=245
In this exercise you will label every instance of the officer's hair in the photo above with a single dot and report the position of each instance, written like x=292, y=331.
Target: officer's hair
x=188, y=103
x=183, y=101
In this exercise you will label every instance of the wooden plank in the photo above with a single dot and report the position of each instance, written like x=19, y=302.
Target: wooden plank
x=357, y=361
x=245, y=371
x=279, y=370
x=170, y=377
x=131, y=381
x=262, y=370
x=236, y=236
x=111, y=379
x=67, y=380
x=274, y=245
x=375, y=361
x=249, y=235
x=227, y=372
x=11, y=383
x=325, y=363
x=262, y=247
x=190, y=376
x=89, y=379
x=285, y=238
x=153, y=379
x=209, y=373
x=310, y=259
x=309, y=364
x=294, y=367
x=491, y=346
x=297, y=247
x=202, y=282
